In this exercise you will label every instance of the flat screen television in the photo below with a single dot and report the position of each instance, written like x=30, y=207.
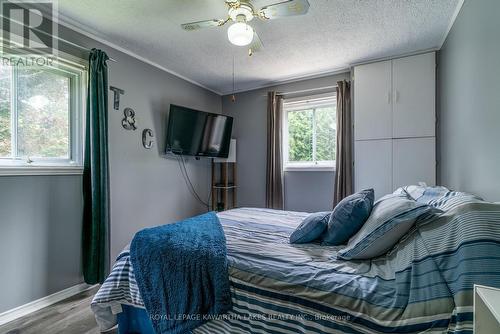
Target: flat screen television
x=198, y=133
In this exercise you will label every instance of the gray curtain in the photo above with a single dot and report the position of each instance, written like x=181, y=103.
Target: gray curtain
x=95, y=237
x=343, y=173
x=274, y=172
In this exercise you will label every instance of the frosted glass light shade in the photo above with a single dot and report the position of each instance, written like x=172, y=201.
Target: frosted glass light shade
x=240, y=34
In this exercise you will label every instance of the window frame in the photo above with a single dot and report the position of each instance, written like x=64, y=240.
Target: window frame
x=303, y=103
x=76, y=72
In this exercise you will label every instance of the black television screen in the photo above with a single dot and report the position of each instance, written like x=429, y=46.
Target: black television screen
x=198, y=133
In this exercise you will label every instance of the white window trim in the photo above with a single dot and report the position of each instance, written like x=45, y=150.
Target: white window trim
x=301, y=103
x=309, y=168
x=77, y=74
x=40, y=170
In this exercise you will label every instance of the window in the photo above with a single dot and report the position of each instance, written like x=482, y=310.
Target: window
x=41, y=116
x=310, y=133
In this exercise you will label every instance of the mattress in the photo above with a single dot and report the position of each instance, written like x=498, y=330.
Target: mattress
x=423, y=284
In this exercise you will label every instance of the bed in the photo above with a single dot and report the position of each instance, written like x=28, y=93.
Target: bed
x=423, y=284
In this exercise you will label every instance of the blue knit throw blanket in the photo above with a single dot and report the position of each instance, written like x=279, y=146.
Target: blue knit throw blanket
x=181, y=271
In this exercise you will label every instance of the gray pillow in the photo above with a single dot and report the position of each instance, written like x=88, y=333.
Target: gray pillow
x=392, y=217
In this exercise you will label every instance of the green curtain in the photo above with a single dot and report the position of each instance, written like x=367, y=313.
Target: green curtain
x=96, y=173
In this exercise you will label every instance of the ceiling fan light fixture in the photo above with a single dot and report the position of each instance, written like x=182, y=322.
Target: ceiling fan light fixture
x=240, y=34
x=245, y=10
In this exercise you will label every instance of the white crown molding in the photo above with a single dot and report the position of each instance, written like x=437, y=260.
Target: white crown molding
x=38, y=304
x=408, y=54
x=81, y=29
x=452, y=22
x=86, y=31
x=333, y=72
x=294, y=79
x=92, y=34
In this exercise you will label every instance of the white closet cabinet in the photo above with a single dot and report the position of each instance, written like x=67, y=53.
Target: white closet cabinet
x=414, y=86
x=376, y=158
x=394, y=123
x=413, y=161
x=372, y=94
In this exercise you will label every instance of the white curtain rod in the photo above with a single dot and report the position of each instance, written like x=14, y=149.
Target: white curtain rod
x=307, y=90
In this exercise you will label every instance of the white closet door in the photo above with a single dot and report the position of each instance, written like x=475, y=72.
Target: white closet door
x=372, y=101
x=414, y=161
x=414, y=85
x=373, y=166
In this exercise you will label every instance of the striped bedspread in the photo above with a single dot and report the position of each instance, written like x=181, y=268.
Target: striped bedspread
x=424, y=284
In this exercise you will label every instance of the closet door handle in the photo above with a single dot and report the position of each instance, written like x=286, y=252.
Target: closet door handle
x=396, y=96
x=389, y=97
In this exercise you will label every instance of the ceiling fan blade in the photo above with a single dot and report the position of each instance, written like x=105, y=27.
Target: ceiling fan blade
x=256, y=44
x=285, y=8
x=202, y=24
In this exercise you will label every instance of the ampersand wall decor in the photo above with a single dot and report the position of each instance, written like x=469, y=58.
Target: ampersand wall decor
x=128, y=122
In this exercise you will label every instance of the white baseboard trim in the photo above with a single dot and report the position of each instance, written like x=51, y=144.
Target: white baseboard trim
x=38, y=304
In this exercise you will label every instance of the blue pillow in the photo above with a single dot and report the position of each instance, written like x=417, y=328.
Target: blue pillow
x=348, y=216
x=311, y=228
x=391, y=218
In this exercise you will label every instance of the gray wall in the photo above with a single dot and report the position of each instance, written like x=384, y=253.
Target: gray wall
x=309, y=191
x=40, y=236
x=469, y=105
x=40, y=222
x=304, y=191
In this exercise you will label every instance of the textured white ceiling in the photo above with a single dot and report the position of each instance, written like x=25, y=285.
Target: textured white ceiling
x=333, y=35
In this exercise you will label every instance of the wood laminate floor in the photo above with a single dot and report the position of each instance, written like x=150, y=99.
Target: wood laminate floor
x=70, y=316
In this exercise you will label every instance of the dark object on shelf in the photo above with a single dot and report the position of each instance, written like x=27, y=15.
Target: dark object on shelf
x=224, y=185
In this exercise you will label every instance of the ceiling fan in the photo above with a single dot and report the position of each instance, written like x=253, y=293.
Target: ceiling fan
x=240, y=12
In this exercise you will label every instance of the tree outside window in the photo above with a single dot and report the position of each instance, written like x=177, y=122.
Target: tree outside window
x=310, y=133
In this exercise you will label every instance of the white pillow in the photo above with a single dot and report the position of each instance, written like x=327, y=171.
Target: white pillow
x=392, y=217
